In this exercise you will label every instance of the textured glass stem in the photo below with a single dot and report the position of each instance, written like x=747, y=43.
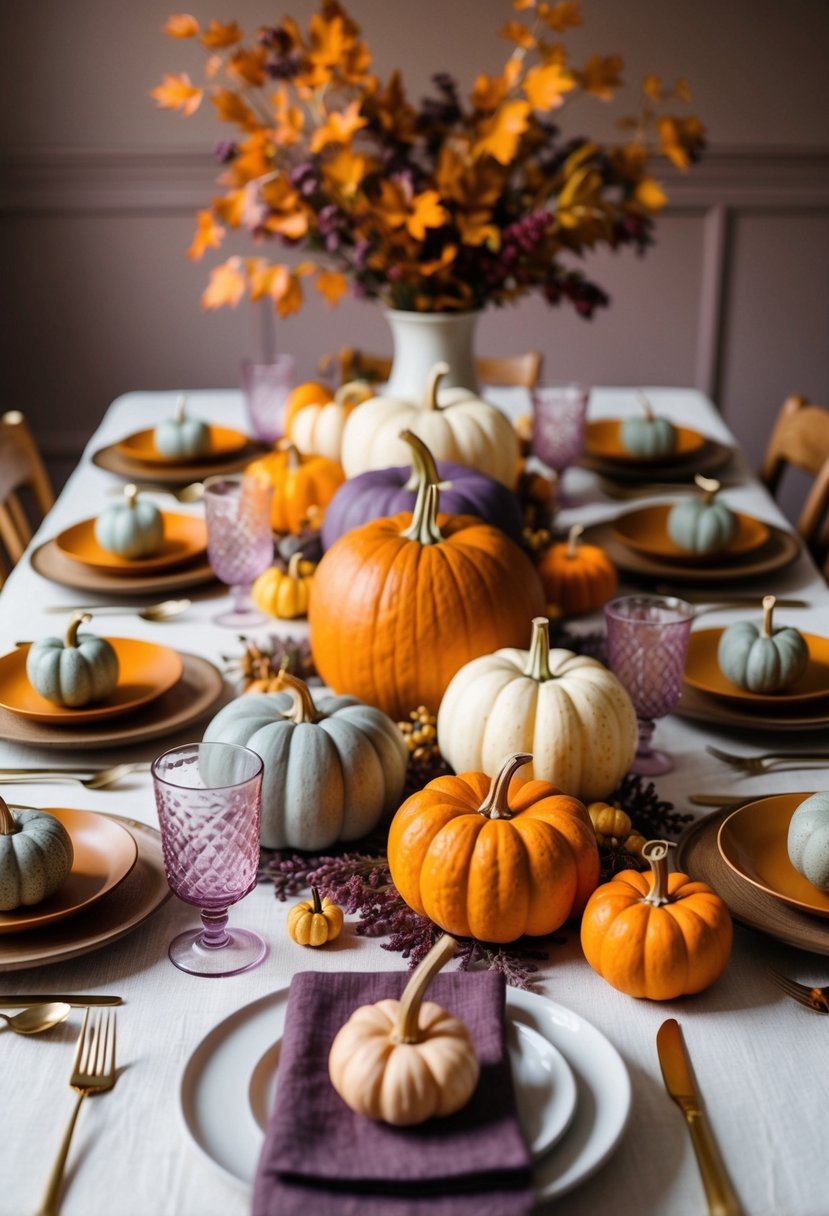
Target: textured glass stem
x=646, y=729
x=215, y=935
x=240, y=594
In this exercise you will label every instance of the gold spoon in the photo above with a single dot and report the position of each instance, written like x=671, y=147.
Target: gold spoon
x=164, y=611
x=37, y=1018
x=194, y=492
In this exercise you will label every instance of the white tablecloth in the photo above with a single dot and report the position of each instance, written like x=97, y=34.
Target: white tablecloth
x=760, y=1059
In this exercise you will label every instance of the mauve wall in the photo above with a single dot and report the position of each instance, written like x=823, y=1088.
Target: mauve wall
x=98, y=191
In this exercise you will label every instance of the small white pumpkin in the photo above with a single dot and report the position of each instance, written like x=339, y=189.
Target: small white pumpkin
x=75, y=670
x=569, y=711
x=36, y=855
x=132, y=529
x=316, y=429
x=650, y=436
x=182, y=437
x=808, y=840
x=702, y=525
x=457, y=426
x=761, y=658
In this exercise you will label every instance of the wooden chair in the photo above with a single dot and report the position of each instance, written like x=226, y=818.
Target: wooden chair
x=21, y=470
x=801, y=438
x=518, y=370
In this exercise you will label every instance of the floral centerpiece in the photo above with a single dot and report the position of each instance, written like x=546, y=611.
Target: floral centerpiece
x=463, y=201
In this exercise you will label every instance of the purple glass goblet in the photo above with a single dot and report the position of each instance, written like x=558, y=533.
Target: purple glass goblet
x=209, y=800
x=239, y=540
x=559, y=412
x=266, y=388
x=647, y=642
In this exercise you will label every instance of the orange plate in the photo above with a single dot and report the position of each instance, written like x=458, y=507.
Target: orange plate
x=646, y=531
x=604, y=440
x=105, y=852
x=146, y=672
x=752, y=841
x=185, y=538
x=224, y=441
x=702, y=671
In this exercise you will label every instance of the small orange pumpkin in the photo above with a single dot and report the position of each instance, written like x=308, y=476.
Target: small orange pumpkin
x=494, y=859
x=314, y=422
x=311, y=392
x=576, y=577
x=300, y=483
x=656, y=935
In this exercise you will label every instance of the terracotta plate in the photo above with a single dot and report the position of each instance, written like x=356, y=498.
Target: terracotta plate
x=752, y=841
x=48, y=560
x=185, y=539
x=701, y=707
x=105, y=852
x=710, y=458
x=702, y=671
x=116, y=461
x=146, y=672
x=604, y=441
x=224, y=442
x=646, y=531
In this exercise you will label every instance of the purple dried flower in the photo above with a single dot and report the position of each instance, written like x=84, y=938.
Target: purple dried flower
x=225, y=151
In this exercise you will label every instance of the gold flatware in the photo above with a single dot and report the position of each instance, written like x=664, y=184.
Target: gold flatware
x=816, y=999
x=164, y=611
x=93, y=1072
x=97, y=781
x=720, y=799
x=194, y=492
x=680, y=1084
x=74, y=1000
x=37, y=1017
x=768, y=761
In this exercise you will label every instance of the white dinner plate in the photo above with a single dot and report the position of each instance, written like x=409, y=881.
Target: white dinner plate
x=228, y=1083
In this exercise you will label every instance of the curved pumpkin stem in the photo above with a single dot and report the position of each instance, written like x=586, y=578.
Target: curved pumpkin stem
x=709, y=486
x=647, y=408
x=655, y=853
x=768, y=609
x=303, y=708
x=424, y=469
x=317, y=902
x=294, y=563
x=424, y=526
x=178, y=412
x=131, y=495
x=430, y=397
x=70, y=639
x=406, y=1029
x=8, y=824
x=538, y=662
x=573, y=537
x=353, y=392
x=294, y=458
x=496, y=804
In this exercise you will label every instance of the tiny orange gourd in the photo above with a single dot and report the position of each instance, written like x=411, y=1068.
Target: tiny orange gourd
x=284, y=593
x=300, y=484
x=577, y=577
x=313, y=922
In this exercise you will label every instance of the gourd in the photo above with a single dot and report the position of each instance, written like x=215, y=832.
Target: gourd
x=808, y=840
x=382, y=492
x=313, y=922
x=401, y=604
x=613, y=828
x=36, y=855
x=494, y=859
x=656, y=935
x=650, y=436
x=406, y=1061
x=284, y=593
x=332, y=768
x=133, y=528
x=182, y=437
x=300, y=484
x=315, y=423
x=568, y=710
x=702, y=525
x=460, y=427
x=74, y=670
x=761, y=658
x=577, y=577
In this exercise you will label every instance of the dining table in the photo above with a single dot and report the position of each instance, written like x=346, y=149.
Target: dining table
x=759, y=1057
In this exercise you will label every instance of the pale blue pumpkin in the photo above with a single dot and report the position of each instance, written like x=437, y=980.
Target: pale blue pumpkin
x=133, y=528
x=702, y=525
x=75, y=670
x=650, y=436
x=760, y=658
x=36, y=855
x=808, y=840
x=182, y=437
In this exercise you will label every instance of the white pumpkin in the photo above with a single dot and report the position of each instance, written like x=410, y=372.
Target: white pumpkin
x=182, y=437
x=569, y=711
x=317, y=428
x=36, y=855
x=456, y=426
x=808, y=840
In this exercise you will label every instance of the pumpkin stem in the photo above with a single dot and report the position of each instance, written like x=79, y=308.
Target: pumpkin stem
x=647, y=408
x=294, y=458
x=538, y=663
x=656, y=853
x=424, y=525
x=315, y=896
x=709, y=486
x=70, y=639
x=406, y=1029
x=573, y=540
x=430, y=397
x=354, y=392
x=178, y=413
x=496, y=804
x=424, y=469
x=131, y=495
x=294, y=563
x=768, y=609
x=8, y=824
x=303, y=708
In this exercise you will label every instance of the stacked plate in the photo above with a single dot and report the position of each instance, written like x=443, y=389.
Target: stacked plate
x=136, y=457
x=694, y=453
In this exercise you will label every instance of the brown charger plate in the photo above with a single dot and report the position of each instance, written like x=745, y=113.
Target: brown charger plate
x=781, y=548
x=196, y=693
x=48, y=560
x=114, y=461
x=185, y=541
x=225, y=443
x=142, y=892
x=645, y=530
x=603, y=439
x=698, y=856
x=701, y=707
x=710, y=458
x=702, y=671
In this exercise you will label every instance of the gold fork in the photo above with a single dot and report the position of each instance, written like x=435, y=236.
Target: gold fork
x=815, y=998
x=93, y=1072
x=768, y=761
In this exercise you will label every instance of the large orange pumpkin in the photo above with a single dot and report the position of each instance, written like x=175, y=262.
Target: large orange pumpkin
x=494, y=859
x=400, y=604
x=299, y=483
x=656, y=935
x=576, y=577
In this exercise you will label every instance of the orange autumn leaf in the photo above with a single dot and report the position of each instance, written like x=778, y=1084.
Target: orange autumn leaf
x=178, y=93
x=346, y=170
x=488, y=92
x=477, y=228
x=226, y=285
x=278, y=283
x=601, y=75
x=289, y=120
x=230, y=207
x=545, y=85
x=501, y=134
x=217, y=36
x=679, y=138
x=682, y=90
x=427, y=211
x=339, y=127
x=520, y=5
x=332, y=285
x=231, y=108
x=652, y=87
x=181, y=25
x=650, y=194
x=515, y=32
x=249, y=66
x=209, y=235
x=564, y=15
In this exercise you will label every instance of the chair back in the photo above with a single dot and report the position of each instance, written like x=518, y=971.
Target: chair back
x=801, y=438
x=21, y=469
x=508, y=370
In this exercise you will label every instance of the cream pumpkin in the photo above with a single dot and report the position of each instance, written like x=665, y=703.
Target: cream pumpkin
x=569, y=711
x=456, y=426
x=316, y=428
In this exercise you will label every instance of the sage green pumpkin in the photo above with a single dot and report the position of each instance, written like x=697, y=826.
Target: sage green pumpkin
x=36, y=855
x=649, y=436
x=808, y=840
x=133, y=528
x=182, y=437
x=332, y=769
x=702, y=525
x=74, y=670
x=759, y=657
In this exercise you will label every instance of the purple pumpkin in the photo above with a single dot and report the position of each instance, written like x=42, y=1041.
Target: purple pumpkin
x=383, y=492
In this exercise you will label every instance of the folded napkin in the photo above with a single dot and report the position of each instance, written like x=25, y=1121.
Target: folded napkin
x=322, y=1159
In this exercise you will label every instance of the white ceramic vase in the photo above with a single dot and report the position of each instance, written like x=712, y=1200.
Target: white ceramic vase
x=422, y=339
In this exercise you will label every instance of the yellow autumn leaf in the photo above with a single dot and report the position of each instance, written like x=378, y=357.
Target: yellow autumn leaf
x=427, y=211
x=217, y=36
x=546, y=84
x=181, y=25
x=501, y=134
x=679, y=138
x=650, y=194
x=601, y=75
x=346, y=170
x=208, y=235
x=226, y=285
x=339, y=127
x=332, y=285
x=564, y=15
x=178, y=93
x=488, y=92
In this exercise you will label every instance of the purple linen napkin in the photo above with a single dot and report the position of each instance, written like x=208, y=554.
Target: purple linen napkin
x=320, y=1157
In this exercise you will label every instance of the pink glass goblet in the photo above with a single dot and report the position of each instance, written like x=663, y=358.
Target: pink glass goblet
x=559, y=412
x=239, y=540
x=266, y=387
x=209, y=800
x=647, y=642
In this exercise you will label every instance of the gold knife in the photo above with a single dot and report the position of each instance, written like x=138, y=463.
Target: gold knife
x=78, y=1001
x=680, y=1084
